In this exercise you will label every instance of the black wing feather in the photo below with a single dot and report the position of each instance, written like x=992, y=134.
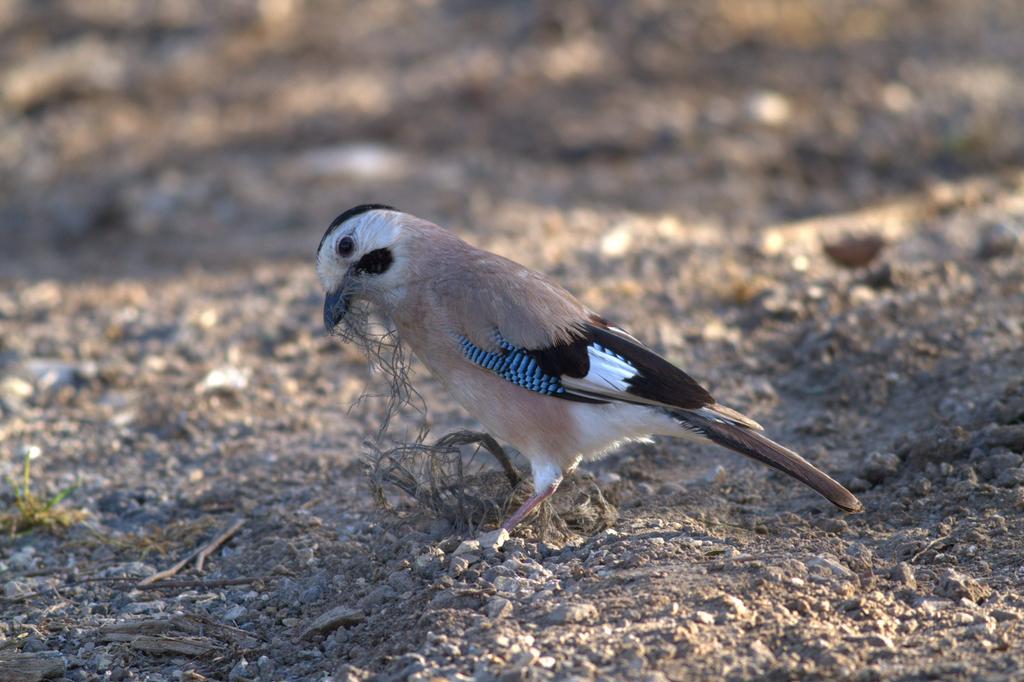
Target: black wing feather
x=656, y=379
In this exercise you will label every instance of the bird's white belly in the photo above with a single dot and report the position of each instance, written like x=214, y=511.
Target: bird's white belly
x=602, y=428
x=561, y=430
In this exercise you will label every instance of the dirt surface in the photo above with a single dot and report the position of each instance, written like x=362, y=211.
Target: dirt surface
x=168, y=170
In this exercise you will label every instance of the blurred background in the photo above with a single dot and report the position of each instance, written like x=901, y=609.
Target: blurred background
x=167, y=169
x=142, y=138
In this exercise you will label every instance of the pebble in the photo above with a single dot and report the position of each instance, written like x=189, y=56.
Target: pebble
x=377, y=597
x=933, y=605
x=17, y=588
x=881, y=465
x=827, y=566
x=459, y=564
x=769, y=108
x=334, y=619
x=763, y=656
x=227, y=379
x=880, y=641
x=235, y=612
x=492, y=541
x=903, y=574
x=704, y=617
x=999, y=240
x=467, y=547
x=499, y=607
x=507, y=584
x=571, y=613
x=429, y=562
x=955, y=585
x=24, y=559
x=132, y=569
x=266, y=667
x=240, y=671
x=735, y=605
x=311, y=594
x=52, y=375
x=1003, y=615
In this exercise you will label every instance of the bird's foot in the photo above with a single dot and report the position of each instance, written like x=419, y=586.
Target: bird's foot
x=530, y=504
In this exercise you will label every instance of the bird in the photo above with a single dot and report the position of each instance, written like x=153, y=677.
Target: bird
x=537, y=368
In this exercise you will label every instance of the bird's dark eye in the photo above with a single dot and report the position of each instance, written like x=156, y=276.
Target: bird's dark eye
x=346, y=245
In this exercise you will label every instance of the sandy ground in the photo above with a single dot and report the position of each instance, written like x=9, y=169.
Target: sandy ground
x=168, y=170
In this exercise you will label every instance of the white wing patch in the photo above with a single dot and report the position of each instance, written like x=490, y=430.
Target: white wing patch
x=608, y=373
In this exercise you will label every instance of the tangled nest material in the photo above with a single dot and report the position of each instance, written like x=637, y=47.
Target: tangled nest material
x=449, y=478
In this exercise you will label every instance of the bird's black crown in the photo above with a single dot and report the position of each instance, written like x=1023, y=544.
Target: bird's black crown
x=352, y=213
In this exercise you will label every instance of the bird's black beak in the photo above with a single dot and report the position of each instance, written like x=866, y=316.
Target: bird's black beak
x=335, y=307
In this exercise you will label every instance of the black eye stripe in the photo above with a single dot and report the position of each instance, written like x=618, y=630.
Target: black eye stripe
x=375, y=262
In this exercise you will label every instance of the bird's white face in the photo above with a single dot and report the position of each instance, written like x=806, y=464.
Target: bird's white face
x=360, y=256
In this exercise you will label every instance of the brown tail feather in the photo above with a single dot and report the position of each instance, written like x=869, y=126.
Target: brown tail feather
x=756, y=446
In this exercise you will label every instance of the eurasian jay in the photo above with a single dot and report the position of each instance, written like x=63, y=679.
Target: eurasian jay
x=539, y=370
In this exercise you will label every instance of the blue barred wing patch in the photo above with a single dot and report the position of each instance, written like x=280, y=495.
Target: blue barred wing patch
x=514, y=365
x=600, y=364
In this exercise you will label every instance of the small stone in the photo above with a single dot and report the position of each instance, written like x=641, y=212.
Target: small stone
x=921, y=486
x=903, y=574
x=827, y=566
x=235, y=612
x=858, y=485
x=736, y=605
x=492, y=541
x=15, y=387
x=571, y=613
x=24, y=558
x=410, y=664
x=459, y=564
x=881, y=465
x=859, y=557
x=225, y=379
x=855, y=252
x=377, y=597
x=33, y=645
x=704, y=617
x=762, y=655
x=240, y=672
x=429, y=562
x=507, y=584
x=933, y=605
x=1000, y=239
x=266, y=667
x=311, y=594
x=769, y=108
x=466, y=547
x=499, y=607
x=444, y=599
x=835, y=526
x=52, y=375
x=1003, y=615
x=16, y=588
x=334, y=619
x=880, y=641
x=1010, y=478
x=955, y=586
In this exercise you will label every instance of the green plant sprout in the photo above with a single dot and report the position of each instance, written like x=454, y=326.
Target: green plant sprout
x=33, y=512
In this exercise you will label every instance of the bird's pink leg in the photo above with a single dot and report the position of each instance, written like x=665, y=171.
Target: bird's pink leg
x=530, y=505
